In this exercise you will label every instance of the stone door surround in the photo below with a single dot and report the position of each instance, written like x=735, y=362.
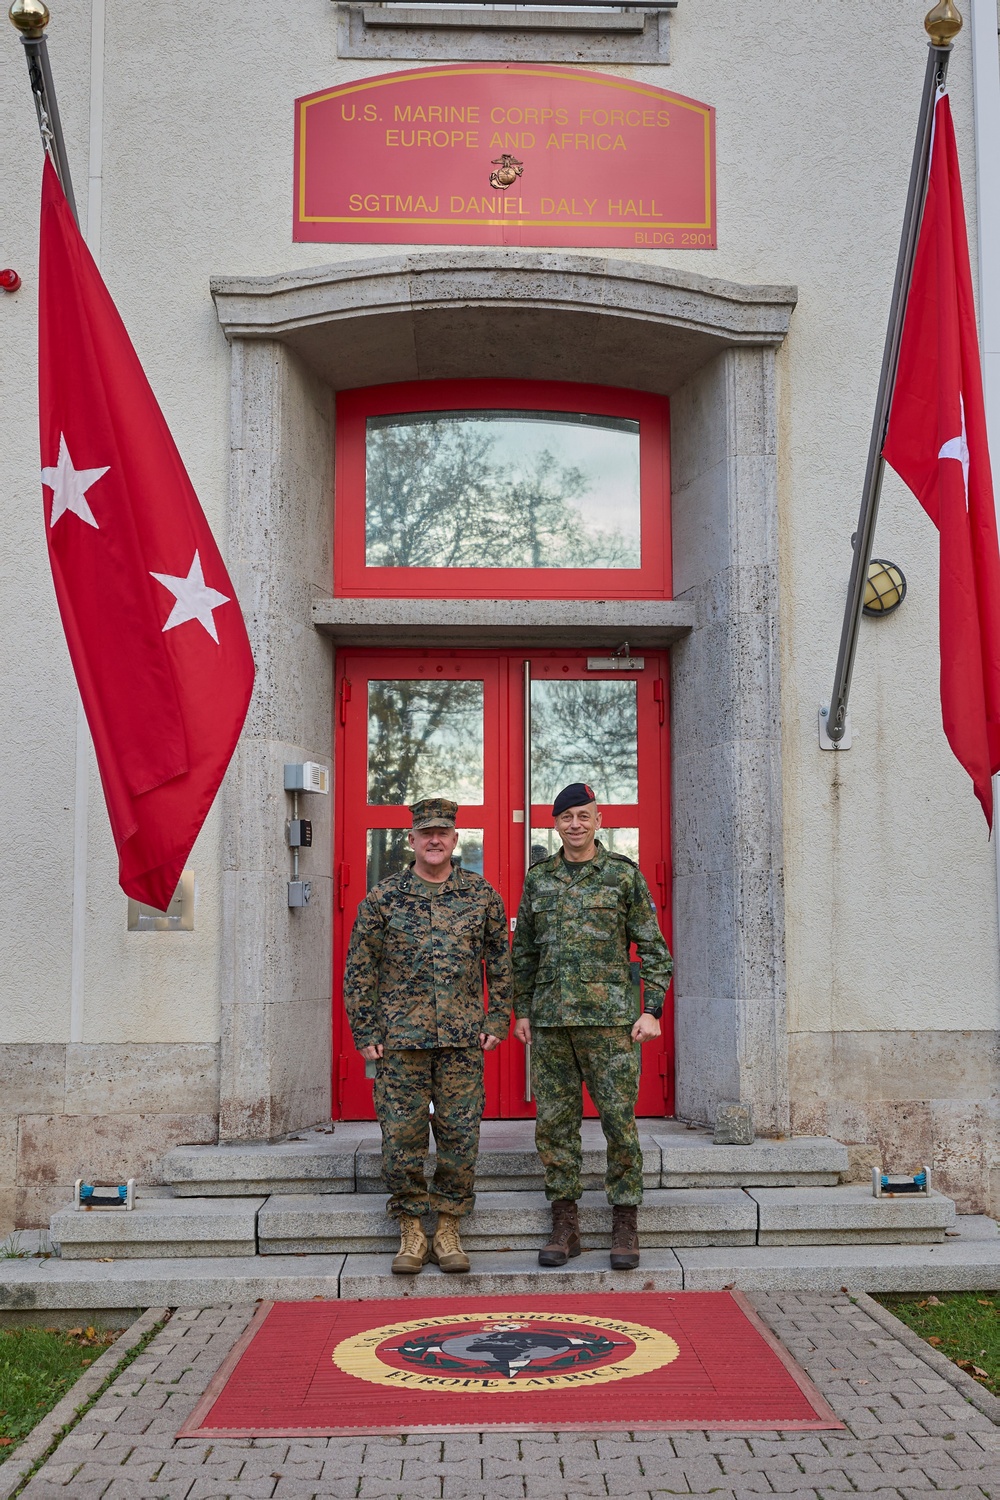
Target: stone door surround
x=441, y=313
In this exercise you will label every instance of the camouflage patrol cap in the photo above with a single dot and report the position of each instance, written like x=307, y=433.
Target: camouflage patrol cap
x=434, y=812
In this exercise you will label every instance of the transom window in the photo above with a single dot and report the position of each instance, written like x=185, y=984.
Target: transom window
x=501, y=488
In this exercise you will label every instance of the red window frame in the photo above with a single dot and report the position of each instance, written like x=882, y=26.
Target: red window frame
x=353, y=578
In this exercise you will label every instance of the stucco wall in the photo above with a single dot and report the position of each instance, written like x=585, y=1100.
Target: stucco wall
x=890, y=882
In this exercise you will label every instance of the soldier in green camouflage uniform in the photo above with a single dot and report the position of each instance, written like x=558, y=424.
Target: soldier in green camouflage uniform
x=413, y=987
x=577, y=1007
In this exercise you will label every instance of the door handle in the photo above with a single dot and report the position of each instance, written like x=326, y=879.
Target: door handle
x=527, y=1073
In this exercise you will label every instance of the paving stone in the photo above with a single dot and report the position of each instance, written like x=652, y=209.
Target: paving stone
x=207, y=1487
x=966, y=1492
x=383, y=1489
x=509, y=1488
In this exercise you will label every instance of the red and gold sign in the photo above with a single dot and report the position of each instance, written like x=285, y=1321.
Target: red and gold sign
x=504, y=154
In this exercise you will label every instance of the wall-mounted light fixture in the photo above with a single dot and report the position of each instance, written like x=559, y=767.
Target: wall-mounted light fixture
x=885, y=587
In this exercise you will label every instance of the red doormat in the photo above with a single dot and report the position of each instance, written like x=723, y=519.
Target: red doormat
x=611, y=1362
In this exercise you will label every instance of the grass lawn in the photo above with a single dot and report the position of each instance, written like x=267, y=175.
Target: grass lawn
x=963, y=1325
x=37, y=1368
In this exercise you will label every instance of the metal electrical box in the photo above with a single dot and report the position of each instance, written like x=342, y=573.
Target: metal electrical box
x=178, y=917
x=307, y=776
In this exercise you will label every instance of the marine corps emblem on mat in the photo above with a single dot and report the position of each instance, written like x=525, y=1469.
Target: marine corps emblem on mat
x=477, y=1351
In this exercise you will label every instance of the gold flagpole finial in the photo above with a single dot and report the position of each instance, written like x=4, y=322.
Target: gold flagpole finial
x=29, y=16
x=942, y=24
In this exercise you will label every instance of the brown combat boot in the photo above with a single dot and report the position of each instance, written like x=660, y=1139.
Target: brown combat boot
x=624, y=1237
x=565, y=1240
x=413, y=1247
x=446, y=1249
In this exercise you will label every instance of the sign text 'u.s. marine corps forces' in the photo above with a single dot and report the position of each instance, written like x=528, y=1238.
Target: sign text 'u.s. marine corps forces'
x=413, y=986
x=577, y=1007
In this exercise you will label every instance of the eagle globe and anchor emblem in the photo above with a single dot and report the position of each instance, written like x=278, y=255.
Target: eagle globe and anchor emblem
x=508, y=170
x=479, y=1351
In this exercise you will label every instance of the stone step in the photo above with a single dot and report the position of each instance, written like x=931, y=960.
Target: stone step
x=158, y=1227
x=508, y=1161
x=356, y=1223
x=849, y=1215
x=313, y=1161
x=969, y=1261
x=347, y=1158
x=507, y=1221
x=690, y=1158
x=511, y=1273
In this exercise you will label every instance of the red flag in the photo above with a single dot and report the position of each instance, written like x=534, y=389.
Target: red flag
x=937, y=445
x=154, y=629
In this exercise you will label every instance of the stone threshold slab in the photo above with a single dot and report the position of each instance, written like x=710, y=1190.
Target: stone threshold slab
x=194, y=1282
x=953, y=1266
x=511, y=1274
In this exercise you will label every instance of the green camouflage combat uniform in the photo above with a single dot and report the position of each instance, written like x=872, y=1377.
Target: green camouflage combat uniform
x=572, y=981
x=414, y=982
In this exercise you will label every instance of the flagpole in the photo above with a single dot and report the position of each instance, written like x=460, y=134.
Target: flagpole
x=942, y=24
x=31, y=17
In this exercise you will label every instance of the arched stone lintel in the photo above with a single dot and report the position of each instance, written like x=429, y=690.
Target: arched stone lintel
x=456, y=314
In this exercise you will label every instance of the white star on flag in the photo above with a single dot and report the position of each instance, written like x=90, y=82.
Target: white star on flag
x=195, y=600
x=958, y=448
x=69, y=487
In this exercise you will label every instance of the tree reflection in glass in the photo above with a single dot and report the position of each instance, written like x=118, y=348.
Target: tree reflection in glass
x=502, y=489
x=546, y=842
x=584, y=731
x=425, y=739
x=389, y=852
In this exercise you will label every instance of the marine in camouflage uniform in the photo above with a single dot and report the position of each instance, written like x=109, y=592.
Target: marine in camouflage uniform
x=413, y=987
x=573, y=983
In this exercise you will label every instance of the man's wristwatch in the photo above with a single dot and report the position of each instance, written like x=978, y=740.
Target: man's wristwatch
x=656, y=1011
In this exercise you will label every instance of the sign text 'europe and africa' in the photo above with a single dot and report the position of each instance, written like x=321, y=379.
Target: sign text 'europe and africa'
x=504, y=155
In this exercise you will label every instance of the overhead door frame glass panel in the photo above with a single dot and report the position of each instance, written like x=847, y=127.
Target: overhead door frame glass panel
x=489, y=488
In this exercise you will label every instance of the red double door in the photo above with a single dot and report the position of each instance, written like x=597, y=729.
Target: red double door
x=480, y=727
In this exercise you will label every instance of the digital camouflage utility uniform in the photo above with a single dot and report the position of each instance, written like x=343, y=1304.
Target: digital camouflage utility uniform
x=414, y=983
x=573, y=982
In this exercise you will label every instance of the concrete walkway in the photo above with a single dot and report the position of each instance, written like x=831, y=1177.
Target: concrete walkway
x=910, y=1432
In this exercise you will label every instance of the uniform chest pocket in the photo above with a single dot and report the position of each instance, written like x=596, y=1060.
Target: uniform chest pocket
x=544, y=910
x=403, y=929
x=598, y=912
x=463, y=922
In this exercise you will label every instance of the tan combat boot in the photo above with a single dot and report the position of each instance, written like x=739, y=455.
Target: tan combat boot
x=413, y=1248
x=624, y=1237
x=564, y=1242
x=446, y=1249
